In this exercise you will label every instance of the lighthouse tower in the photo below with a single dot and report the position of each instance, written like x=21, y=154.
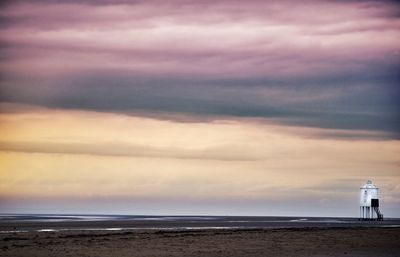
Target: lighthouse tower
x=369, y=202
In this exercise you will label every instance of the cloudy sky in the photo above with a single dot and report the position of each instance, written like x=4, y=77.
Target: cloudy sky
x=199, y=107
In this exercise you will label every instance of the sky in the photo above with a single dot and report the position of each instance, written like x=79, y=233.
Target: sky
x=199, y=107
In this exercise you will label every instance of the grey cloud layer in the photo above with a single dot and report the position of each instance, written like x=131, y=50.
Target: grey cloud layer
x=338, y=105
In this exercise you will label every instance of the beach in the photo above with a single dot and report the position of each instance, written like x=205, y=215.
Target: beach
x=224, y=242
x=146, y=236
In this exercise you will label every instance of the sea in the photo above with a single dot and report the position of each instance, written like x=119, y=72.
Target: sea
x=52, y=223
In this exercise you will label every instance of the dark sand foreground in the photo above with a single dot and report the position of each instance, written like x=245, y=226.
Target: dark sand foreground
x=354, y=241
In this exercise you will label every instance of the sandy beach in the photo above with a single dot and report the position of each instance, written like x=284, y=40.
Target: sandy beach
x=224, y=242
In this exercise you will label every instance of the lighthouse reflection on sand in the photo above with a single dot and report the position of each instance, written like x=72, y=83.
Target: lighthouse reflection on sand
x=369, y=202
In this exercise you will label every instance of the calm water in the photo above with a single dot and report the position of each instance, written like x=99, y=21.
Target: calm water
x=14, y=223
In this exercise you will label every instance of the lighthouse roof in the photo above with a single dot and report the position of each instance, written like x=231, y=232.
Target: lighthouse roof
x=369, y=185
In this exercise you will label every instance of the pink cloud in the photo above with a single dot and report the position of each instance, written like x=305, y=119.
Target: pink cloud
x=186, y=37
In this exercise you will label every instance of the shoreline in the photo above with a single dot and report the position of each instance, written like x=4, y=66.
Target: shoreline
x=24, y=223
x=204, y=228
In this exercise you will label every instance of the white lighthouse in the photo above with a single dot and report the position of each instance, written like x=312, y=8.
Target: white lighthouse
x=369, y=202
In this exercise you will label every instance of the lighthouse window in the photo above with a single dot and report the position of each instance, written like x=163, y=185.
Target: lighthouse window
x=365, y=196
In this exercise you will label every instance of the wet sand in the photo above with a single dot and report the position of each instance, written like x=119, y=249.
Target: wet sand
x=310, y=241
